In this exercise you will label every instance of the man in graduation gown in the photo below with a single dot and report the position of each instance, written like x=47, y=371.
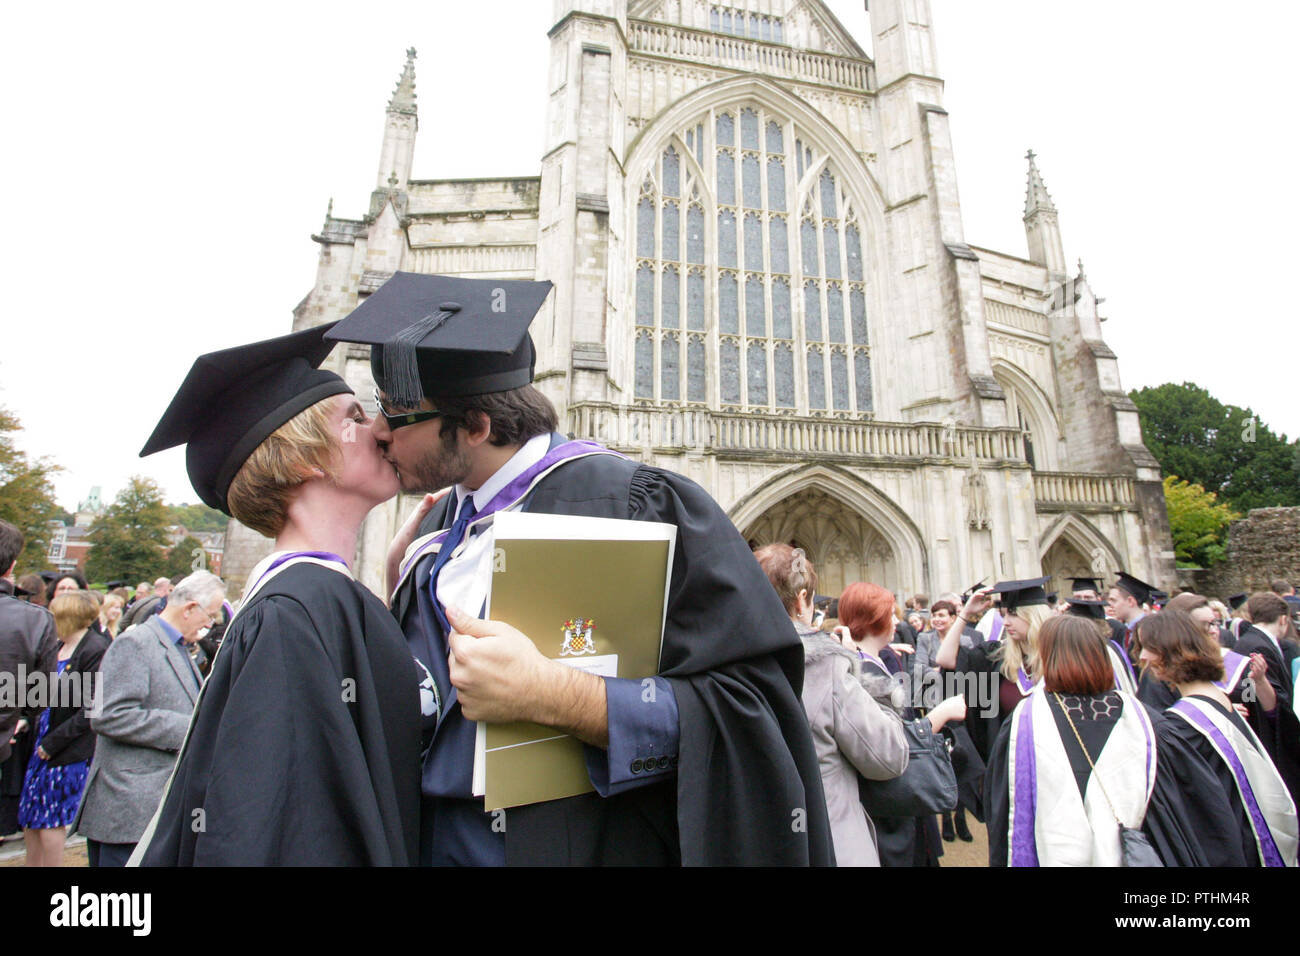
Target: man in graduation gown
x=1278, y=729
x=708, y=762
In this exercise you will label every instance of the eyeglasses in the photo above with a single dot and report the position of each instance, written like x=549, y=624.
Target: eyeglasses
x=401, y=419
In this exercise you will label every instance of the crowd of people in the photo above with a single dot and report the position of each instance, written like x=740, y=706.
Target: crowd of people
x=310, y=721
x=1085, y=720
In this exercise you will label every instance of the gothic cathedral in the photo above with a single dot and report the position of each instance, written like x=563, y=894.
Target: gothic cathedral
x=762, y=281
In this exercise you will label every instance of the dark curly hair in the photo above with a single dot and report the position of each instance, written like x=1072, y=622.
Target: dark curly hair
x=1185, y=651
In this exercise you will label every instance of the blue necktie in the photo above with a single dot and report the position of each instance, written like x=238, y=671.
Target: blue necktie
x=466, y=515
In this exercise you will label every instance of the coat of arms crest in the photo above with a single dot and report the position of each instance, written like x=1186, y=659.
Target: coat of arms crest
x=577, y=637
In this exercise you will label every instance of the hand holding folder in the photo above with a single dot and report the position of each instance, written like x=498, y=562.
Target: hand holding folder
x=590, y=593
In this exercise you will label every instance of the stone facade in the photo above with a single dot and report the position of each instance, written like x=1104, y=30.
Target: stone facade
x=762, y=281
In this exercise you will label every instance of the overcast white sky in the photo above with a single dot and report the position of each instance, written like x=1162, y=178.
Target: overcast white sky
x=165, y=165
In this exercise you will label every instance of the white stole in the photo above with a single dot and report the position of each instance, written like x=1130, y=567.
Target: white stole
x=1067, y=830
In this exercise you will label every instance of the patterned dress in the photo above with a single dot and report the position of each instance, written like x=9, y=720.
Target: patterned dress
x=50, y=794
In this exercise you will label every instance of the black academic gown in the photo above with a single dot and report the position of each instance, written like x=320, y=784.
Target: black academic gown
x=1175, y=726
x=305, y=747
x=748, y=789
x=1280, y=733
x=1188, y=820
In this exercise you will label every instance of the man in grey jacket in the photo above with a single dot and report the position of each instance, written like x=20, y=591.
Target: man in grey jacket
x=150, y=686
x=28, y=644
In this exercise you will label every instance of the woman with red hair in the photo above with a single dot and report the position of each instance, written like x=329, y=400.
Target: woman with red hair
x=1078, y=760
x=866, y=614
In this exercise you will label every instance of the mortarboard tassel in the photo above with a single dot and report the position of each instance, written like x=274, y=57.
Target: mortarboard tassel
x=401, y=367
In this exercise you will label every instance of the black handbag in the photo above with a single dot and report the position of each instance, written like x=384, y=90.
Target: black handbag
x=1134, y=847
x=928, y=785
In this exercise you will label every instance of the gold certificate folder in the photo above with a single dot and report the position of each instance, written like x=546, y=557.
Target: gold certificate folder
x=594, y=604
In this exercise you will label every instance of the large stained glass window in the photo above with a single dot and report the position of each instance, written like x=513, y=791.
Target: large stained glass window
x=750, y=289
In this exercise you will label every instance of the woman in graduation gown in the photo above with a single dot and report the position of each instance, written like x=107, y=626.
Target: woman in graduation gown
x=1077, y=758
x=1005, y=664
x=304, y=747
x=1178, y=649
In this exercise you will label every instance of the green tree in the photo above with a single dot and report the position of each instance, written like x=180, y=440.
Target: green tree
x=1225, y=449
x=1197, y=521
x=130, y=536
x=197, y=517
x=26, y=496
x=182, y=559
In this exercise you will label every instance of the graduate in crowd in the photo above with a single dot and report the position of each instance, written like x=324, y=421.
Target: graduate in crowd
x=1090, y=589
x=1277, y=727
x=305, y=741
x=1160, y=693
x=1184, y=652
x=1079, y=758
x=1007, y=663
x=715, y=766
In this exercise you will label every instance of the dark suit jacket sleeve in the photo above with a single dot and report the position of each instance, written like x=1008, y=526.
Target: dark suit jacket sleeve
x=85, y=660
x=33, y=653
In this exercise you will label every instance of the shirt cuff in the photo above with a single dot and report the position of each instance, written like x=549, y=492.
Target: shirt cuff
x=643, y=736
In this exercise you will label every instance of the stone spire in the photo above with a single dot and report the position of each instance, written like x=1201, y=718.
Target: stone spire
x=1036, y=196
x=403, y=100
x=401, y=122
x=1041, y=227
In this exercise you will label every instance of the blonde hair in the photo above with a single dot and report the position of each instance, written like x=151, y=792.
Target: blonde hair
x=1009, y=651
x=73, y=611
x=262, y=488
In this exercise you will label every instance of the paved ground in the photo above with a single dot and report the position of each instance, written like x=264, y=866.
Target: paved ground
x=975, y=853
x=13, y=854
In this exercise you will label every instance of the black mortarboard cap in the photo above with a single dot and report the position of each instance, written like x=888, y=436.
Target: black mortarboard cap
x=1081, y=607
x=113, y=585
x=1141, y=591
x=1051, y=598
x=971, y=590
x=231, y=401
x=446, y=336
x=1025, y=593
x=48, y=576
x=1086, y=584
x=1158, y=596
x=1237, y=600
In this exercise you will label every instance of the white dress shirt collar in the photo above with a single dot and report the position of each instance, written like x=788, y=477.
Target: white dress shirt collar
x=532, y=451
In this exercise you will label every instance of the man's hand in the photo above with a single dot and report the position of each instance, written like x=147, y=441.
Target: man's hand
x=405, y=535
x=40, y=752
x=500, y=676
x=1264, y=692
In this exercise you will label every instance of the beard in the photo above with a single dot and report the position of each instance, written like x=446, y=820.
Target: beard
x=440, y=466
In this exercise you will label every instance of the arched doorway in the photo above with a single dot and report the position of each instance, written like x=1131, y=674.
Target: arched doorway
x=843, y=545
x=1075, y=548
